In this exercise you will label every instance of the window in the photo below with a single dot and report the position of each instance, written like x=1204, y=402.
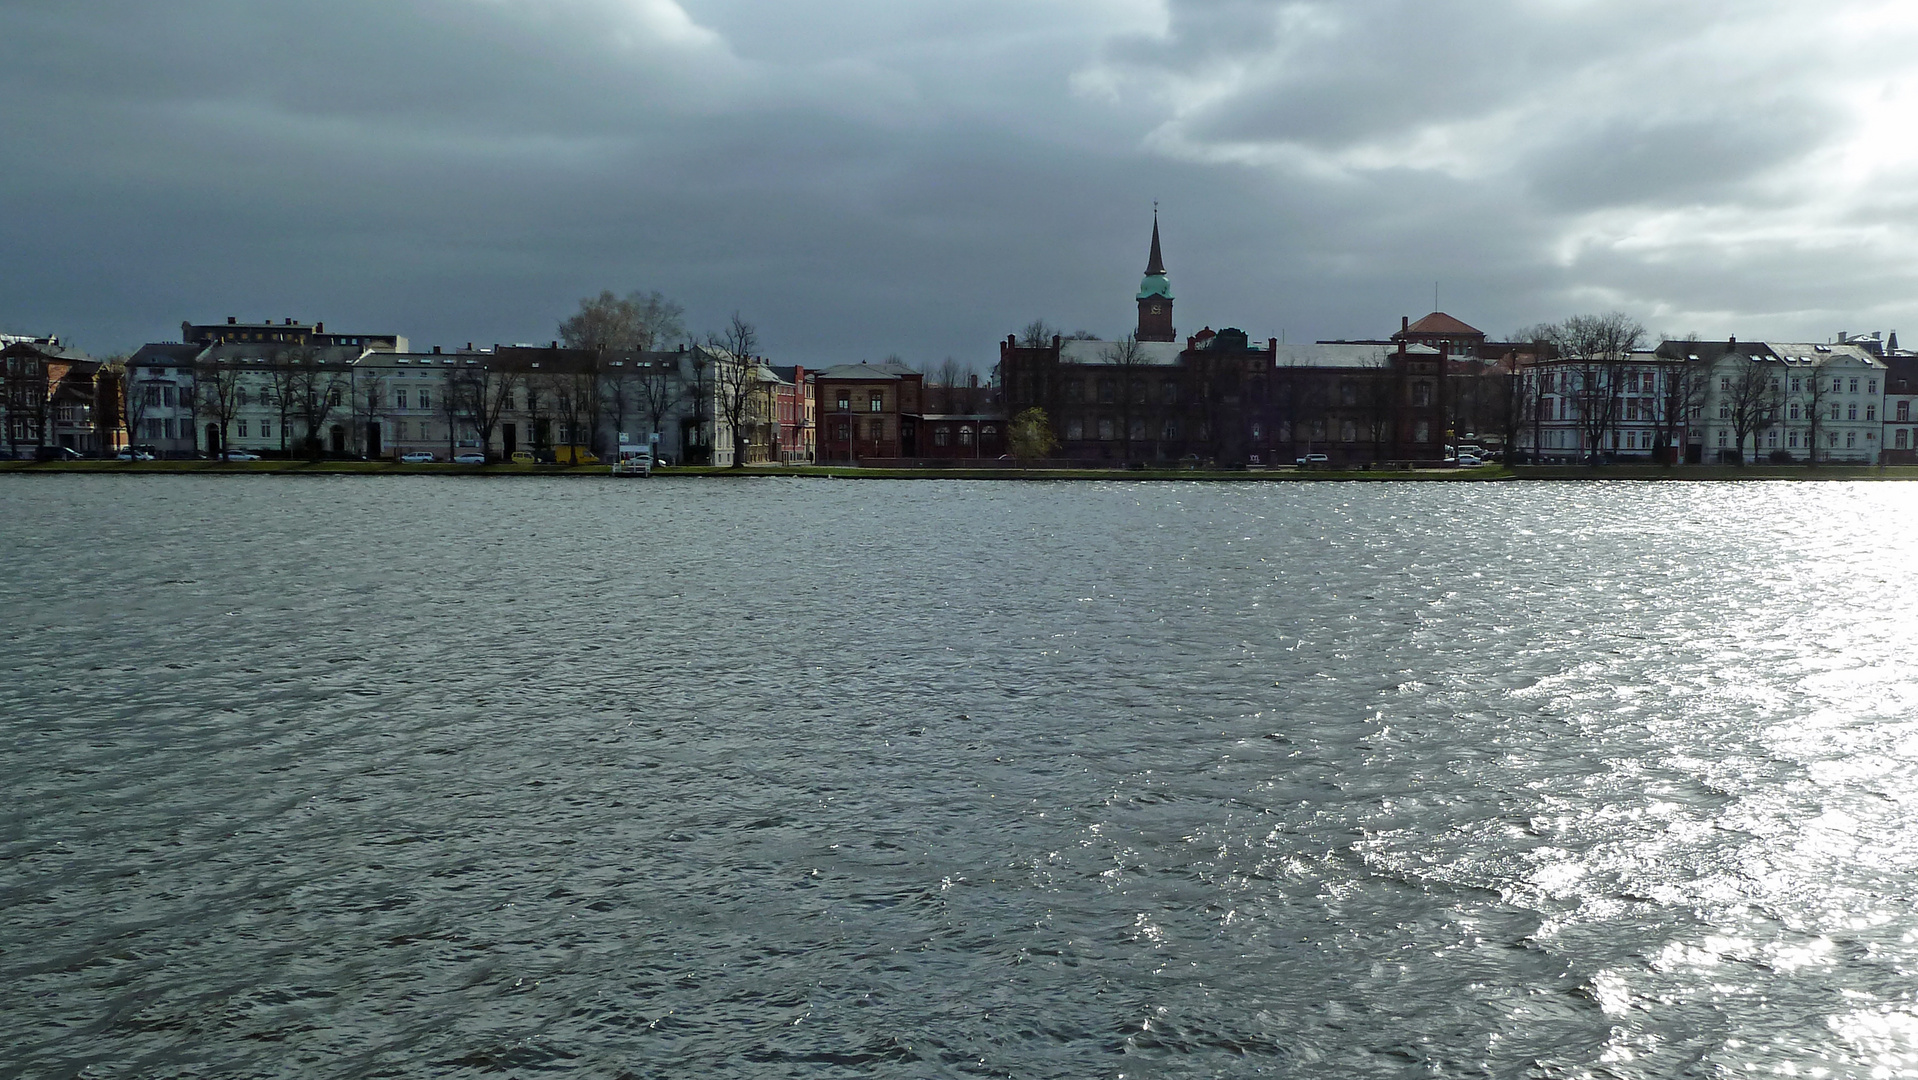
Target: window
x=1794, y=410
x=1105, y=430
x=1137, y=428
x=1725, y=410
x=1422, y=431
x=1794, y=384
x=1422, y=394
x=876, y=402
x=1794, y=440
x=170, y=398
x=845, y=401
x=169, y=429
x=242, y=429
x=1106, y=391
x=1851, y=411
x=1348, y=432
x=239, y=397
x=399, y=399
x=1075, y=391
x=1851, y=439
x=1771, y=437
x=843, y=432
x=153, y=396
x=1831, y=439
x=1837, y=384
x=333, y=396
x=1871, y=412
x=1854, y=386
x=423, y=400
x=1075, y=429
x=1724, y=385
x=942, y=436
x=266, y=429
x=876, y=430
x=1834, y=410
x=1904, y=411
x=1901, y=438
x=1721, y=438
x=1170, y=430
x=965, y=436
x=1871, y=386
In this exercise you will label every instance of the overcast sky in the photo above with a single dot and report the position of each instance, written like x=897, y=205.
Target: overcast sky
x=867, y=177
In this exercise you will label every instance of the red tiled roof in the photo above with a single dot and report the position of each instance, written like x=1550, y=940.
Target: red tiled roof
x=1439, y=322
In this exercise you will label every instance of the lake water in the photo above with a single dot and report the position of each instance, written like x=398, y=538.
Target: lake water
x=802, y=778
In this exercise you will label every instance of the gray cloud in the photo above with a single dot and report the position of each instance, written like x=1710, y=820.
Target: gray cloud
x=874, y=177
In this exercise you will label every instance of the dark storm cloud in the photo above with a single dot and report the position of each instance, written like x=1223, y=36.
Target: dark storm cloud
x=870, y=177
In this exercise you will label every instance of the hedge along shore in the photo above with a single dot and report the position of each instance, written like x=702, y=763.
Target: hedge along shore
x=1484, y=474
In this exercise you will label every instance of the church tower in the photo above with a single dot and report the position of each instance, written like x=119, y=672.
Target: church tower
x=1155, y=295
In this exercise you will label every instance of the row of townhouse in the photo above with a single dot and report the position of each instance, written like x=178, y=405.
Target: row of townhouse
x=1848, y=402
x=292, y=388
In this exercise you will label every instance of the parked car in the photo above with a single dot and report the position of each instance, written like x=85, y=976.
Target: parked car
x=1314, y=459
x=416, y=457
x=238, y=455
x=522, y=457
x=470, y=457
x=134, y=453
x=1467, y=460
x=56, y=453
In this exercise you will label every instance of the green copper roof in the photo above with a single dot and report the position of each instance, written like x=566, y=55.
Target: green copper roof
x=1155, y=285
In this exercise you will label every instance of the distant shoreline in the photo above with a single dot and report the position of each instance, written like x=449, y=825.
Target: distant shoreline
x=1486, y=474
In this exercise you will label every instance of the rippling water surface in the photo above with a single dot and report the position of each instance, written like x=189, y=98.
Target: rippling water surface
x=777, y=778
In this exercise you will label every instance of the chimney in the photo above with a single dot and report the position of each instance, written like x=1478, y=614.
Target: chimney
x=1405, y=323
x=436, y=350
x=469, y=346
x=232, y=320
x=553, y=345
x=289, y=321
x=319, y=328
x=1055, y=341
x=1841, y=337
x=1877, y=335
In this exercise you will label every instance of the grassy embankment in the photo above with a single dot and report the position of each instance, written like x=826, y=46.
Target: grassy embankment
x=1486, y=473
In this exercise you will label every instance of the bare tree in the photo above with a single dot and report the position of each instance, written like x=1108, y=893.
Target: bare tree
x=1598, y=347
x=947, y=380
x=637, y=321
x=1127, y=358
x=736, y=378
x=124, y=402
x=699, y=365
x=659, y=391
x=1679, y=400
x=369, y=404
x=313, y=391
x=280, y=378
x=480, y=395
x=218, y=385
x=1037, y=334
x=1753, y=396
x=1814, y=391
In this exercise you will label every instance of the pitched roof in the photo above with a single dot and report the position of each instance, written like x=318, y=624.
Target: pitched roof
x=857, y=371
x=1439, y=322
